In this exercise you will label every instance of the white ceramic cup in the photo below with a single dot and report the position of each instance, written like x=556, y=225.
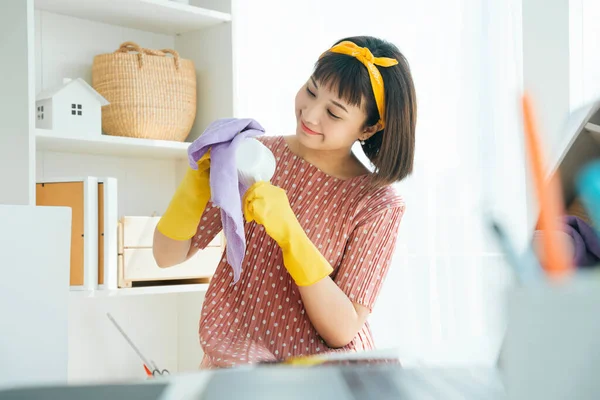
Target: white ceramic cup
x=254, y=161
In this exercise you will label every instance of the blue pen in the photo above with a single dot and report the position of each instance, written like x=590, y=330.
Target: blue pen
x=588, y=185
x=525, y=266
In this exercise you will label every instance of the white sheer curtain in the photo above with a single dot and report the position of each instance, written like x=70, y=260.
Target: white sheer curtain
x=450, y=278
x=443, y=299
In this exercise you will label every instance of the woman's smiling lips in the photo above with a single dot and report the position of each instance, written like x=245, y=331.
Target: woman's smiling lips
x=307, y=129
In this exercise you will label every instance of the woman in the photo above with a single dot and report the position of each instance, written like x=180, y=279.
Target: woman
x=321, y=235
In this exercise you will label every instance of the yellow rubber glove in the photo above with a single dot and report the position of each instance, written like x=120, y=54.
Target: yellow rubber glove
x=269, y=206
x=182, y=217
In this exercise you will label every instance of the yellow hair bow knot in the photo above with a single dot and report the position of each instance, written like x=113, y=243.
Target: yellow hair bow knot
x=364, y=55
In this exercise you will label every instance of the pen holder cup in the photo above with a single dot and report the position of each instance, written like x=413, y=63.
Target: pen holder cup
x=552, y=346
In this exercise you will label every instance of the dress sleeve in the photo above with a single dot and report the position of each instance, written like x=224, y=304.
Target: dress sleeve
x=368, y=255
x=208, y=228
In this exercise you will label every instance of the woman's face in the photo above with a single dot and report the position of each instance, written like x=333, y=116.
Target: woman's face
x=324, y=122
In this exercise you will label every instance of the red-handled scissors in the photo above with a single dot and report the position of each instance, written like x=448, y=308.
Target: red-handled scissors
x=147, y=364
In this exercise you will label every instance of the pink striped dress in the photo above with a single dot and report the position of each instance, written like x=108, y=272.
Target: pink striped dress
x=261, y=317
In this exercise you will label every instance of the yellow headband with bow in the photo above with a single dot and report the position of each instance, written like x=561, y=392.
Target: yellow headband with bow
x=365, y=56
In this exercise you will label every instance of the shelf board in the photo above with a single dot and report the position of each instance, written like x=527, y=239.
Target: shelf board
x=159, y=16
x=139, y=291
x=594, y=128
x=111, y=146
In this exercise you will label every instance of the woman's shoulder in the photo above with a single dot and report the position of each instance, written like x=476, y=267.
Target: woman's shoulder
x=269, y=140
x=383, y=199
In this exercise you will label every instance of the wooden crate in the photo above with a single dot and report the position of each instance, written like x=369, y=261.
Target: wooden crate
x=136, y=265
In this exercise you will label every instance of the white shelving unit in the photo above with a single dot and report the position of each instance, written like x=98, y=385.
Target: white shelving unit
x=141, y=291
x=56, y=39
x=159, y=16
x=111, y=146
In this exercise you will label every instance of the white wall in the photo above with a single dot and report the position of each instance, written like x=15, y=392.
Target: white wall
x=546, y=63
x=442, y=302
x=560, y=61
x=590, y=27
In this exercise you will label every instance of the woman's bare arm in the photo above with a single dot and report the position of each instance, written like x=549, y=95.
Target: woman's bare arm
x=169, y=252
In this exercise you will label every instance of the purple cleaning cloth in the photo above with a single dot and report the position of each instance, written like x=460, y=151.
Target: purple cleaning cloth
x=222, y=138
x=585, y=241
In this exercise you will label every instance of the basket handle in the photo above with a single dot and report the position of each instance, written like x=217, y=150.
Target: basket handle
x=127, y=47
x=175, y=55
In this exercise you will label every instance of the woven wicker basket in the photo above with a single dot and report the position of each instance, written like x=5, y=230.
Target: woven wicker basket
x=151, y=95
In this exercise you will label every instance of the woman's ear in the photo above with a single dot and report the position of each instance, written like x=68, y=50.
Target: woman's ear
x=370, y=131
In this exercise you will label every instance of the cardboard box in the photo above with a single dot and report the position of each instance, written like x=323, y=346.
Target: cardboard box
x=81, y=195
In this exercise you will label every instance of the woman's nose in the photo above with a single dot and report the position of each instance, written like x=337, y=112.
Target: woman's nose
x=311, y=115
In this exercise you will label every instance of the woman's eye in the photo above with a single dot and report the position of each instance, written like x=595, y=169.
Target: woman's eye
x=309, y=92
x=333, y=115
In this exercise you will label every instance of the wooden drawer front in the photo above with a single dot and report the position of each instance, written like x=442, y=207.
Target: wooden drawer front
x=139, y=265
x=138, y=232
